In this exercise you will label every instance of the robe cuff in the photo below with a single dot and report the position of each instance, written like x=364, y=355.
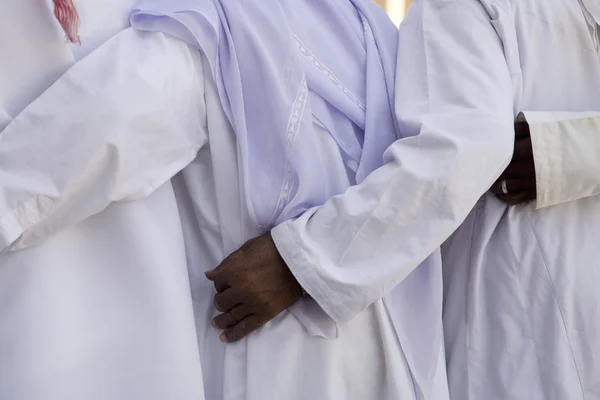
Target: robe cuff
x=305, y=270
x=565, y=161
x=547, y=157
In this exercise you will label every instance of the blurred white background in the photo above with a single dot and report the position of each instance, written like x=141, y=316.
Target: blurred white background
x=395, y=8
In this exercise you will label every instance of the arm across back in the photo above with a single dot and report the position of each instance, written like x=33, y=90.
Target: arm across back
x=455, y=94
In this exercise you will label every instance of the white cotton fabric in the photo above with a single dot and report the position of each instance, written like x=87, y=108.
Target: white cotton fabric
x=522, y=307
x=521, y=311
x=99, y=310
x=282, y=359
x=565, y=147
x=103, y=294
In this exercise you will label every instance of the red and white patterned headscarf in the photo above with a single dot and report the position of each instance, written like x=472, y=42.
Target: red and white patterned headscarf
x=66, y=13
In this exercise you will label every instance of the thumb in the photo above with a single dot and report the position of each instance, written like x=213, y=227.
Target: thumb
x=212, y=274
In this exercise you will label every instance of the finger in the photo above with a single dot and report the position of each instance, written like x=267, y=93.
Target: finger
x=519, y=169
x=228, y=299
x=516, y=199
x=222, y=282
x=228, y=261
x=523, y=150
x=513, y=186
x=232, y=317
x=219, y=276
x=522, y=130
x=212, y=274
x=240, y=330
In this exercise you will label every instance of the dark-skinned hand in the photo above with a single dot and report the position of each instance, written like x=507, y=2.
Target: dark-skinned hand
x=520, y=173
x=253, y=286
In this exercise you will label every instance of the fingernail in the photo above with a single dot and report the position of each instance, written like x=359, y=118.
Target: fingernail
x=214, y=324
x=223, y=338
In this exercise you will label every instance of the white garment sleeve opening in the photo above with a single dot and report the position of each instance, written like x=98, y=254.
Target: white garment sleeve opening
x=566, y=149
x=115, y=127
x=454, y=90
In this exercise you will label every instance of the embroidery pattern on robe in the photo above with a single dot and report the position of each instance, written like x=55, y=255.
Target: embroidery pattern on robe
x=325, y=71
x=291, y=133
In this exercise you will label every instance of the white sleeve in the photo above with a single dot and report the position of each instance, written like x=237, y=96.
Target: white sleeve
x=566, y=146
x=115, y=127
x=454, y=89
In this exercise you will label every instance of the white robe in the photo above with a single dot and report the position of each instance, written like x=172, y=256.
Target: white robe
x=83, y=315
x=118, y=315
x=522, y=306
x=522, y=311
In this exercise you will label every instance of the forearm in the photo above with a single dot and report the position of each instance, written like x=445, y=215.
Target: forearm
x=358, y=246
